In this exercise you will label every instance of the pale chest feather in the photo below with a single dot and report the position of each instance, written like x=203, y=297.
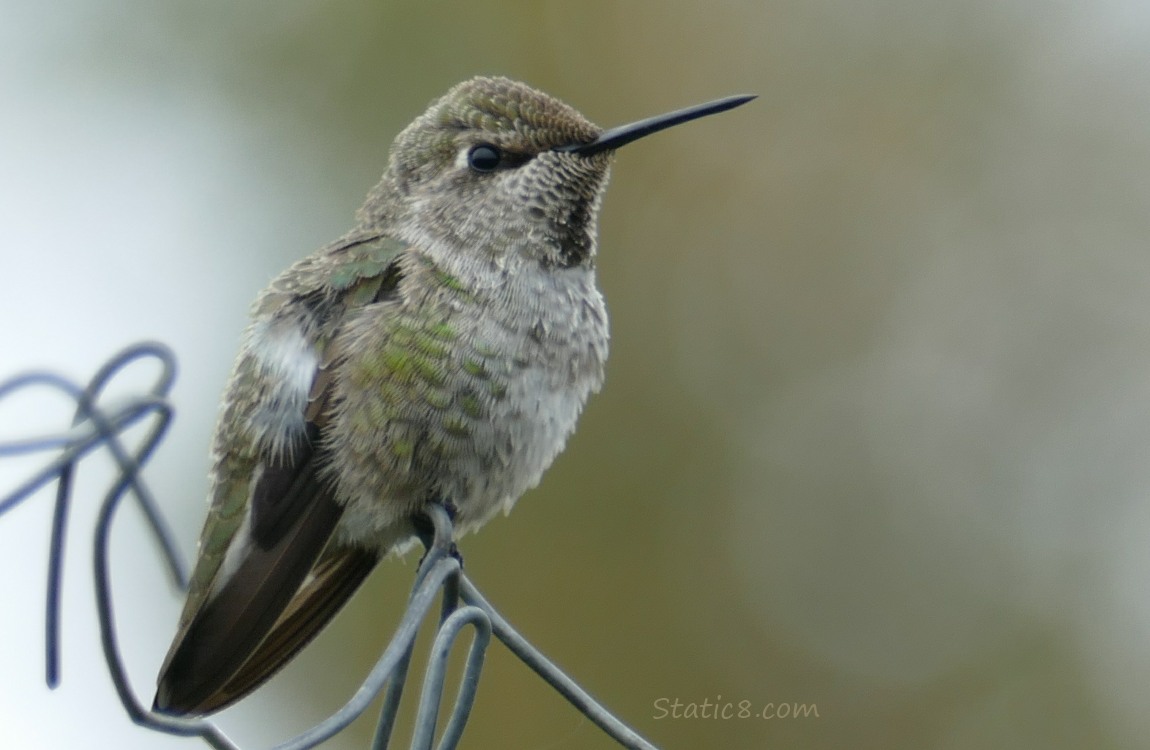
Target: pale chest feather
x=461, y=391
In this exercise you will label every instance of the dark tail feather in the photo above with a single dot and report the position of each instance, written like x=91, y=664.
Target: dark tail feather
x=231, y=626
x=337, y=576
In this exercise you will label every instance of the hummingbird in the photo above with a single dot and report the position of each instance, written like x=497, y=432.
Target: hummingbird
x=439, y=352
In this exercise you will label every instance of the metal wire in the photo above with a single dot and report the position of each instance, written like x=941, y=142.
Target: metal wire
x=98, y=426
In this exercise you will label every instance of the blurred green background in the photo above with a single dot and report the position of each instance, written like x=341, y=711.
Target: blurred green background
x=876, y=420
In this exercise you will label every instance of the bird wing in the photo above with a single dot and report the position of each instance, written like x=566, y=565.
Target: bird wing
x=266, y=579
x=334, y=578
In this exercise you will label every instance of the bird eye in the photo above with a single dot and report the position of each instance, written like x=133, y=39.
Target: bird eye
x=484, y=157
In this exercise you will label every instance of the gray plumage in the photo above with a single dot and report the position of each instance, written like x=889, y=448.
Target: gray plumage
x=441, y=351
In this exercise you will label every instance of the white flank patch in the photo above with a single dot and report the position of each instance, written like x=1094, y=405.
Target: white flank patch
x=284, y=354
x=287, y=364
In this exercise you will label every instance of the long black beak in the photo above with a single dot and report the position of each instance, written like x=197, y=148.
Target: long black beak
x=624, y=134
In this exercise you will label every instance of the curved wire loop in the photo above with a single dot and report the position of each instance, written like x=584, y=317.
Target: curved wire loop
x=94, y=427
x=439, y=575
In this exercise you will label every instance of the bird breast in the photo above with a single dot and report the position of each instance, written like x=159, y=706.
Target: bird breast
x=463, y=389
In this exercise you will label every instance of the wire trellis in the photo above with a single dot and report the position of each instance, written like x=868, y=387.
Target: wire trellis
x=97, y=426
